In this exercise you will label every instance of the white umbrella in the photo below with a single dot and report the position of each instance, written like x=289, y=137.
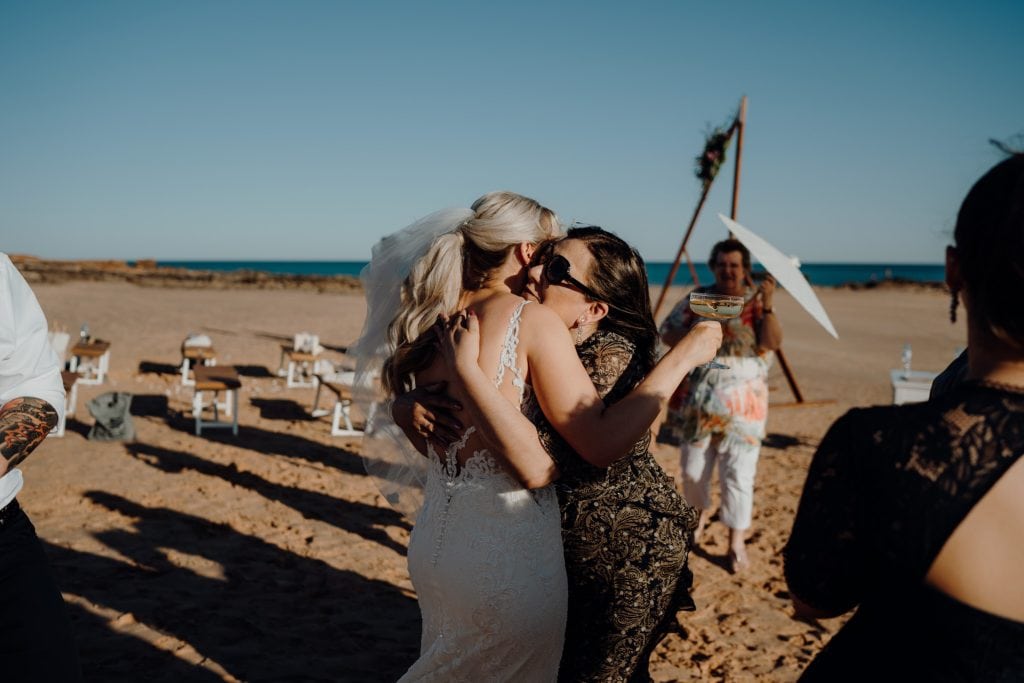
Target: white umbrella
x=782, y=268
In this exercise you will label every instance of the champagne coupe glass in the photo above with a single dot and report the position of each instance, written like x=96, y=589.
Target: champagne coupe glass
x=716, y=307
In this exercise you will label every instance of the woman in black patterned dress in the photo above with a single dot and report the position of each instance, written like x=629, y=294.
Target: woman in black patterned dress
x=914, y=514
x=625, y=529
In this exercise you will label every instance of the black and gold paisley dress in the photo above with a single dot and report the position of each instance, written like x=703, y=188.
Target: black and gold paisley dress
x=626, y=533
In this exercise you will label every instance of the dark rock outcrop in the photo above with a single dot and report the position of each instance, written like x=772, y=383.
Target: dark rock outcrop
x=146, y=273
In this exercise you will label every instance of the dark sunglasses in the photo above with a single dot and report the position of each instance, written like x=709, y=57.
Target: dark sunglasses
x=556, y=271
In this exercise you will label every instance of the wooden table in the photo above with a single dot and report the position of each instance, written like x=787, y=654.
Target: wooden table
x=198, y=355
x=216, y=379
x=91, y=360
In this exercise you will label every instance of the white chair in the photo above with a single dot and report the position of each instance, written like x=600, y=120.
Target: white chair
x=341, y=385
x=70, y=380
x=59, y=342
x=197, y=349
x=301, y=356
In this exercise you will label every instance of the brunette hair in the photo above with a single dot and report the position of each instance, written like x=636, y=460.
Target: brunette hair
x=728, y=246
x=458, y=261
x=989, y=238
x=618, y=276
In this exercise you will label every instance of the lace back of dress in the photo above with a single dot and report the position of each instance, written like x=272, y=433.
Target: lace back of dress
x=450, y=463
x=508, y=354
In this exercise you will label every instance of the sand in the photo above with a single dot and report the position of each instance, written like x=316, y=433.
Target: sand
x=270, y=556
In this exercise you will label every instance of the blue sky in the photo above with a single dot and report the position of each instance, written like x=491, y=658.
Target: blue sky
x=306, y=130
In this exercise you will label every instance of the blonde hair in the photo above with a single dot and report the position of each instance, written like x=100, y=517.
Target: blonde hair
x=458, y=261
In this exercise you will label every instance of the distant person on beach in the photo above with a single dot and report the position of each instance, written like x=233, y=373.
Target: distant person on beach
x=718, y=415
x=485, y=555
x=36, y=642
x=914, y=514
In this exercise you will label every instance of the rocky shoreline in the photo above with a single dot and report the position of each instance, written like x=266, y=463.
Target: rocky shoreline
x=146, y=273
x=899, y=283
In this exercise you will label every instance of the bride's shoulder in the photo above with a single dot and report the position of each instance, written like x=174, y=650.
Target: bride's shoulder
x=499, y=305
x=540, y=325
x=497, y=312
x=537, y=314
x=535, y=319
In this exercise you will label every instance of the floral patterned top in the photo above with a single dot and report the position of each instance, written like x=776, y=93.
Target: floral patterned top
x=626, y=534
x=729, y=402
x=886, y=489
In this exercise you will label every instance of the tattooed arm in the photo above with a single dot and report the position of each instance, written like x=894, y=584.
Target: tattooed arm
x=24, y=423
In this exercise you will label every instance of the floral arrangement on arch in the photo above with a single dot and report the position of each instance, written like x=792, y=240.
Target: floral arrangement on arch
x=713, y=156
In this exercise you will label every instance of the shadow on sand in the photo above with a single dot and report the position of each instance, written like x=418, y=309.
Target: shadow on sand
x=357, y=518
x=275, y=443
x=154, y=368
x=783, y=442
x=257, y=371
x=260, y=612
x=280, y=409
x=149, y=405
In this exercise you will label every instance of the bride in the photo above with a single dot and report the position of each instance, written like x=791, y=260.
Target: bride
x=485, y=555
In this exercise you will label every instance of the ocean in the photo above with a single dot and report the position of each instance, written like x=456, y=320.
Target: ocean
x=823, y=274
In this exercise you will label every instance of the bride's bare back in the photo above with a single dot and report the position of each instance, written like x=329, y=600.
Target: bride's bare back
x=495, y=313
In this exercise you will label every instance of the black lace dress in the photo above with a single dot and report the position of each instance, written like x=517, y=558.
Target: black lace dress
x=886, y=489
x=626, y=533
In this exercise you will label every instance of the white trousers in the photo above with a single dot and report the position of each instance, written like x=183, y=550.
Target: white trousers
x=736, y=469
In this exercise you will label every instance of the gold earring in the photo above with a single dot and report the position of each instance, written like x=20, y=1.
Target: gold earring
x=579, y=330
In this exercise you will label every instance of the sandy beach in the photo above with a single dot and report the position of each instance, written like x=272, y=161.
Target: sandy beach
x=270, y=556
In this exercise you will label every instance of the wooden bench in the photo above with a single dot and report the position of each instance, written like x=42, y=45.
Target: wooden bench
x=216, y=379
x=91, y=360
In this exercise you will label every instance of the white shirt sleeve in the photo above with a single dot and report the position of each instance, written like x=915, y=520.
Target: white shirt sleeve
x=28, y=364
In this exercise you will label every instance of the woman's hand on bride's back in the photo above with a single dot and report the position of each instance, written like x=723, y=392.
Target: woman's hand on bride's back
x=428, y=412
x=702, y=341
x=458, y=341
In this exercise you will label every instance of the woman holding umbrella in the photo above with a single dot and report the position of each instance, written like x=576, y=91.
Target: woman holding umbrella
x=719, y=414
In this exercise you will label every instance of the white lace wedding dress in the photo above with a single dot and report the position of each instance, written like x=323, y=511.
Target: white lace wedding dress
x=486, y=560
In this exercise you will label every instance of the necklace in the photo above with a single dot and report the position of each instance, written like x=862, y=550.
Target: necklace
x=1001, y=386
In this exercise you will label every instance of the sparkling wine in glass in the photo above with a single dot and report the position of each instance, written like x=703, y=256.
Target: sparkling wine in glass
x=716, y=307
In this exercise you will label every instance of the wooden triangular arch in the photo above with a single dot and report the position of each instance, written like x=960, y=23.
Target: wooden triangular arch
x=711, y=160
